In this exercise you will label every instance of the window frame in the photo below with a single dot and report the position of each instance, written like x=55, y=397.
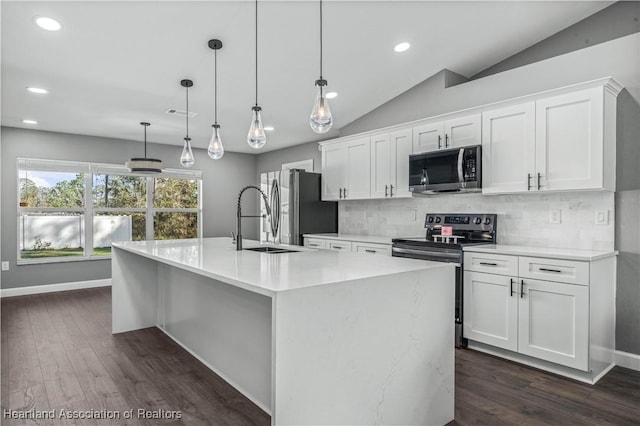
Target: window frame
x=90, y=211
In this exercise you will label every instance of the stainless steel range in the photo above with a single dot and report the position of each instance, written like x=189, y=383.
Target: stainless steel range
x=446, y=235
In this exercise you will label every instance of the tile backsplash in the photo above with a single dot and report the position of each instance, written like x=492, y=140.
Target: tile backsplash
x=522, y=219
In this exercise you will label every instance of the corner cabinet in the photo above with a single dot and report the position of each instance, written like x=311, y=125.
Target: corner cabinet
x=553, y=314
x=556, y=143
x=344, y=173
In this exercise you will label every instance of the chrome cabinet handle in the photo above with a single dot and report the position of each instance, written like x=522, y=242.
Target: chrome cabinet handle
x=446, y=140
x=528, y=181
x=338, y=247
x=550, y=270
x=386, y=190
x=370, y=251
x=439, y=141
x=313, y=245
x=390, y=190
x=345, y=192
x=539, y=181
x=341, y=193
x=488, y=264
x=521, y=289
x=511, y=286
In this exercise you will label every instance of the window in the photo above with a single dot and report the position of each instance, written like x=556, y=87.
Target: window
x=74, y=211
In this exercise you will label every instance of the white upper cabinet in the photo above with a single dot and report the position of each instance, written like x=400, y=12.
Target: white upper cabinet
x=358, y=170
x=334, y=172
x=565, y=142
x=390, y=164
x=452, y=133
x=569, y=141
x=508, y=148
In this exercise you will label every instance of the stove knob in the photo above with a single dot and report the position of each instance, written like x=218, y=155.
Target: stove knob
x=487, y=221
x=438, y=220
x=430, y=220
x=477, y=221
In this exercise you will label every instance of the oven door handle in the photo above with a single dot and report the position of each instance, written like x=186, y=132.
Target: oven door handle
x=426, y=252
x=460, y=173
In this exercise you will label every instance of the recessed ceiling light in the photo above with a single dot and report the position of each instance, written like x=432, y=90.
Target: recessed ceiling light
x=269, y=128
x=401, y=47
x=331, y=95
x=29, y=121
x=48, y=24
x=37, y=90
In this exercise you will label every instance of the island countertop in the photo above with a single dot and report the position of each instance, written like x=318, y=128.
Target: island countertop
x=269, y=273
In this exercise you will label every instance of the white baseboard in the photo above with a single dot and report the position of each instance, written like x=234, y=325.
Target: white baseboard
x=50, y=288
x=627, y=360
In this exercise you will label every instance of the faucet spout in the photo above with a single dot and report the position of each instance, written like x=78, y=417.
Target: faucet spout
x=239, y=215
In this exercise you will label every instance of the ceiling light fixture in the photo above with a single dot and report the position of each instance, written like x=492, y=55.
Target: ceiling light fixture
x=331, y=95
x=216, y=149
x=48, y=24
x=144, y=165
x=321, y=119
x=269, y=128
x=37, y=90
x=186, y=158
x=256, y=137
x=29, y=121
x=402, y=47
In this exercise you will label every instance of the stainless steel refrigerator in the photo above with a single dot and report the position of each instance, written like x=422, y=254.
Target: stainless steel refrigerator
x=296, y=207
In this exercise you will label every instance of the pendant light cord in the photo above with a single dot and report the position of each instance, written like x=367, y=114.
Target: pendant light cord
x=145, y=141
x=256, y=52
x=187, y=115
x=215, y=85
x=320, y=39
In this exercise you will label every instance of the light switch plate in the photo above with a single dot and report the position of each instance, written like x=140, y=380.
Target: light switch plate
x=602, y=217
x=5, y=266
x=555, y=216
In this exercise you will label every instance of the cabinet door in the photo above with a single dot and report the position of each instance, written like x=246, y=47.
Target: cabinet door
x=333, y=171
x=508, y=149
x=554, y=322
x=569, y=141
x=339, y=245
x=380, y=166
x=490, y=304
x=428, y=137
x=358, y=169
x=401, y=147
x=371, y=248
x=462, y=131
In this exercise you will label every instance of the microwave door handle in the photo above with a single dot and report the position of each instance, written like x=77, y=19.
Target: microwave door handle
x=460, y=174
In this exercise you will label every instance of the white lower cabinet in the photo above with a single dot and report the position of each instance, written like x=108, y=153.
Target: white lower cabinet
x=347, y=245
x=371, y=248
x=565, y=318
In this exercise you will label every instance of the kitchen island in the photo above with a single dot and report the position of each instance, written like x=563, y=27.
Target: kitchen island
x=312, y=336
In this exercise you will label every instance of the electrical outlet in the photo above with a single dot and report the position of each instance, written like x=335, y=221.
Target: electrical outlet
x=555, y=216
x=602, y=217
x=5, y=266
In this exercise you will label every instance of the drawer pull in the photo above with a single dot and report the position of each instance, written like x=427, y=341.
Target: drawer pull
x=521, y=289
x=551, y=270
x=370, y=251
x=488, y=264
x=338, y=247
x=313, y=245
x=511, y=286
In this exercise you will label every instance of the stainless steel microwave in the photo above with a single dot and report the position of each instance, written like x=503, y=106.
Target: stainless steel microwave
x=446, y=170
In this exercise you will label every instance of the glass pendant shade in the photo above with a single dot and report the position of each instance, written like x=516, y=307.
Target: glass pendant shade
x=321, y=119
x=256, y=137
x=215, y=150
x=186, y=159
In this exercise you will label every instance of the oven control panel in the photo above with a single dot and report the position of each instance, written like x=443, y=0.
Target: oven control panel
x=469, y=221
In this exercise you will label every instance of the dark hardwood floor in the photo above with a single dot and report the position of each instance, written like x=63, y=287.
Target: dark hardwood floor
x=58, y=353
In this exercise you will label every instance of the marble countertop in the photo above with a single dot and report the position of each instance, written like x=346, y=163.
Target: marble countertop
x=265, y=273
x=350, y=237
x=545, y=252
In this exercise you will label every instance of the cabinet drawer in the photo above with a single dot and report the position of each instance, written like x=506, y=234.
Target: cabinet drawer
x=339, y=245
x=317, y=243
x=564, y=271
x=491, y=263
x=372, y=248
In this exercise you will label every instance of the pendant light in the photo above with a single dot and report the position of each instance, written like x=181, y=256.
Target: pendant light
x=256, y=137
x=144, y=165
x=215, y=150
x=321, y=119
x=186, y=159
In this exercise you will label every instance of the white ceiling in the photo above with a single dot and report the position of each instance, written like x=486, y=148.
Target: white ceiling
x=117, y=63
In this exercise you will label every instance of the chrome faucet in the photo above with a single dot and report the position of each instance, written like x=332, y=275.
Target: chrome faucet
x=239, y=216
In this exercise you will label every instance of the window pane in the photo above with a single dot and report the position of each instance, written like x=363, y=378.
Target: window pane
x=51, y=235
x=175, y=193
x=51, y=189
x=169, y=226
x=114, y=227
x=119, y=191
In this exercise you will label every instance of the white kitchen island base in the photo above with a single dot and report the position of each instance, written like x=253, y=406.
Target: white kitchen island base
x=374, y=349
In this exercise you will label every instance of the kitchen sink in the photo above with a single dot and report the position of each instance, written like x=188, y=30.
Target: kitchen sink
x=274, y=250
